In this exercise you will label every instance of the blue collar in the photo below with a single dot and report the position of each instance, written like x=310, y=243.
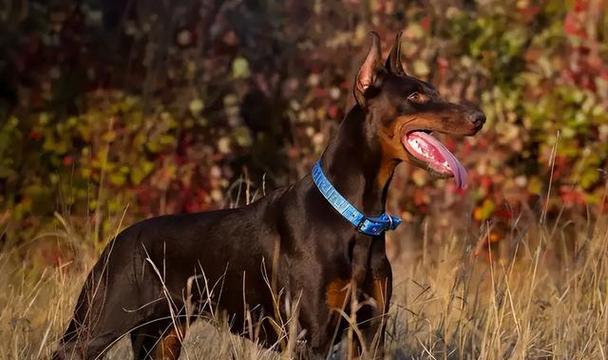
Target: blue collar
x=372, y=226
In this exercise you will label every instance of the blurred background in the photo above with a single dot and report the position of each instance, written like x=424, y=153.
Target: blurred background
x=116, y=109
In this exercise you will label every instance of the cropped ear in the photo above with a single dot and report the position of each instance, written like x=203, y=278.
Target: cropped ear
x=368, y=73
x=393, y=62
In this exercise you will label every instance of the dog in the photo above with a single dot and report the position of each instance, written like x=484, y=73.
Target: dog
x=319, y=243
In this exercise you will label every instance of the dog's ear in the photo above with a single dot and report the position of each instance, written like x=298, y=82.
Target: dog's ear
x=393, y=62
x=368, y=73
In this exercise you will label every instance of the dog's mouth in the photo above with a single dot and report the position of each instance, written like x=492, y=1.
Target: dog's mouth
x=424, y=147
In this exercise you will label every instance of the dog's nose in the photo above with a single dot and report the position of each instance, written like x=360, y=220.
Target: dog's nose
x=477, y=118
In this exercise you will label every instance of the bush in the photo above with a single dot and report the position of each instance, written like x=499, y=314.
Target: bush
x=163, y=109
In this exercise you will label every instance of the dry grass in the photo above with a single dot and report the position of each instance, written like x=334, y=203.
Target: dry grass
x=530, y=308
x=446, y=304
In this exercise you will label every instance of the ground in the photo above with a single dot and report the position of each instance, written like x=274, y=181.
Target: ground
x=447, y=303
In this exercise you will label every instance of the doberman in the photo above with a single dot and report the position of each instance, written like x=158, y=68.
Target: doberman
x=290, y=246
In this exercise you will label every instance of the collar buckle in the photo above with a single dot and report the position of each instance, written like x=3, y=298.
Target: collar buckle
x=361, y=224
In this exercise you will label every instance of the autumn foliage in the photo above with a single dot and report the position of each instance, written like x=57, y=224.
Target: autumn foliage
x=179, y=109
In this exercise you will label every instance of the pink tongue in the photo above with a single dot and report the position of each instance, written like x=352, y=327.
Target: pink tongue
x=456, y=168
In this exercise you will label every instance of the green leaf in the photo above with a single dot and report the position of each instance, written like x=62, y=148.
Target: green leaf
x=589, y=177
x=117, y=179
x=240, y=68
x=196, y=106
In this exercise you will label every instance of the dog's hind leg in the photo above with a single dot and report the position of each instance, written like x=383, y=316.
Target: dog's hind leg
x=96, y=326
x=110, y=305
x=158, y=340
x=91, y=332
x=80, y=349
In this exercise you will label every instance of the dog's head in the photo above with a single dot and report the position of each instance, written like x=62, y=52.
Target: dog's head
x=404, y=112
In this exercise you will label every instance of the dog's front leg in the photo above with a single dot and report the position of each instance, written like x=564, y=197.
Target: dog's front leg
x=374, y=334
x=377, y=292
x=356, y=339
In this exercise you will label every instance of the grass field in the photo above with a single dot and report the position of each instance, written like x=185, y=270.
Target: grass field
x=542, y=303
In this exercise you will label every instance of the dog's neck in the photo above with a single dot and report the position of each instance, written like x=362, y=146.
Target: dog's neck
x=354, y=164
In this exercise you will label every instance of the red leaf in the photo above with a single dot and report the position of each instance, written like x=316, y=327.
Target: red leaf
x=425, y=22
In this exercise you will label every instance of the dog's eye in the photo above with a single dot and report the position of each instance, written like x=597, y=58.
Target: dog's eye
x=418, y=98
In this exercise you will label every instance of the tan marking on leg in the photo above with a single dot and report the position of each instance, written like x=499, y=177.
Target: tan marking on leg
x=336, y=293
x=170, y=345
x=337, y=298
x=379, y=293
x=354, y=349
